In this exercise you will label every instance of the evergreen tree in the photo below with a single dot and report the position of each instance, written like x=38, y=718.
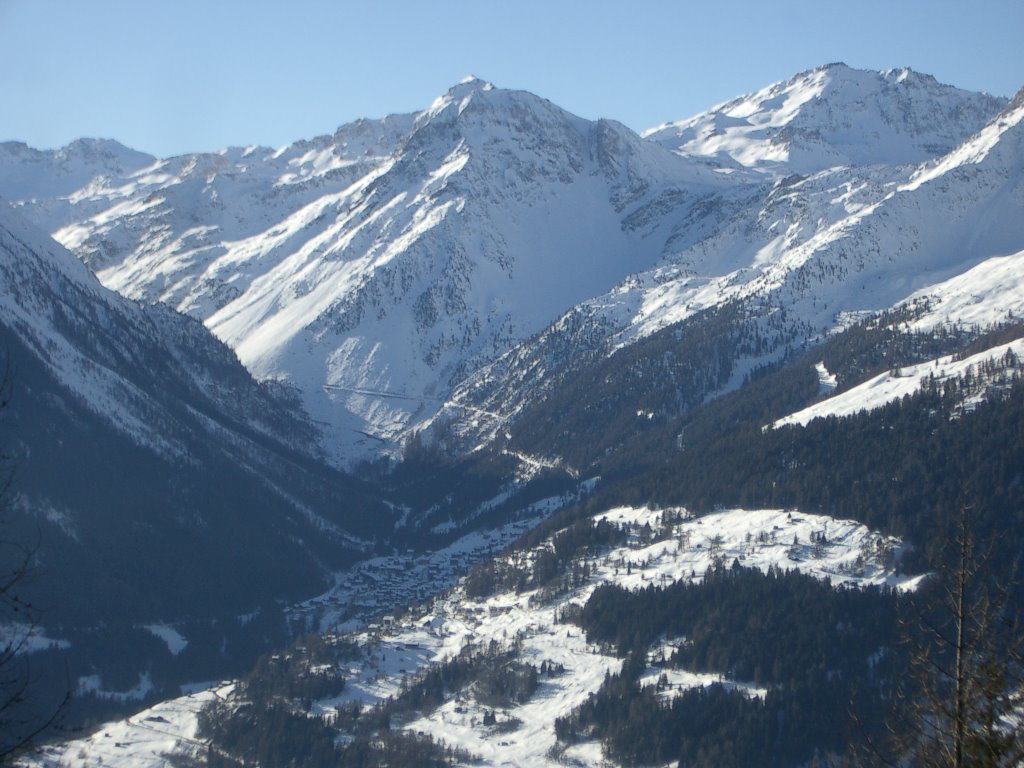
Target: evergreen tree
x=963, y=701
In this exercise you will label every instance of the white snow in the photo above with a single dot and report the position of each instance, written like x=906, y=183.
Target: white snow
x=672, y=681
x=848, y=554
x=93, y=684
x=827, y=382
x=756, y=539
x=988, y=294
x=831, y=116
x=901, y=382
x=176, y=642
x=970, y=152
x=20, y=638
x=145, y=740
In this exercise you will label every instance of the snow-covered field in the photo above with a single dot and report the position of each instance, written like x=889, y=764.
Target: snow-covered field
x=898, y=383
x=146, y=740
x=660, y=548
x=849, y=553
x=842, y=551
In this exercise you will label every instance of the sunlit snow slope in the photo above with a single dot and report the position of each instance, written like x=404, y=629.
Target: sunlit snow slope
x=654, y=552
x=829, y=116
x=795, y=259
x=374, y=274
x=433, y=268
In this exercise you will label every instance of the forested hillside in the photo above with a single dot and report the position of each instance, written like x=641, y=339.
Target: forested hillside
x=751, y=658
x=491, y=434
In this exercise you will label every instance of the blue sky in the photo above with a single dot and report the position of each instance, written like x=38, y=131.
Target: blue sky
x=173, y=76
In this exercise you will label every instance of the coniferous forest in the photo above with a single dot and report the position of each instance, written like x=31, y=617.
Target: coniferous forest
x=495, y=435
x=832, y=671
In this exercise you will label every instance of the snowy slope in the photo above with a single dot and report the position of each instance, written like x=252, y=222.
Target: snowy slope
x=857, y=238
x=149, y=738
x=95, y=343
x=796, y=259
x=46, y=177
x=901, y=382
x=655, y=552
x=830, y=116
x=984, y=296
x=445, y=267
x=142, y=444
x=108, y=189
x=988, y=294
x=375, y=274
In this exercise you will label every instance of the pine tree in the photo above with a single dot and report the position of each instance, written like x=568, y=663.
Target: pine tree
x=968, y=684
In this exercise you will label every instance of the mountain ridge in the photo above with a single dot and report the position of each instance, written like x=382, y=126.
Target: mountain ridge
x=832, y=115
x=133, y=427
x=568, y=333
x=386, y=269
x=812, y=249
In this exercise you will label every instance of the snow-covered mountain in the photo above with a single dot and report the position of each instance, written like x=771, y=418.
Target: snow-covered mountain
x=97, y=345
x=829, y=116
x=47, y=177
x=141, y=444
x=374, y=281
x=989, y=371
x=795, y=262
x=444, y=268
x=506, y=275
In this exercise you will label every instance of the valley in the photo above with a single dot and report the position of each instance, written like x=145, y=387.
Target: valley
x=489, y=434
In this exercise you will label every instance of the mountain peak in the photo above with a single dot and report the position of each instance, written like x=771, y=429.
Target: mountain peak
x=471, y=83
x=1017, y=101
x=840, y=70
x=459, y=95
x=96, y=145
x=467, y=87
x=908, y=75
x=834, y=115
x=478, y=107
x=104, y=151
x=834, y=67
